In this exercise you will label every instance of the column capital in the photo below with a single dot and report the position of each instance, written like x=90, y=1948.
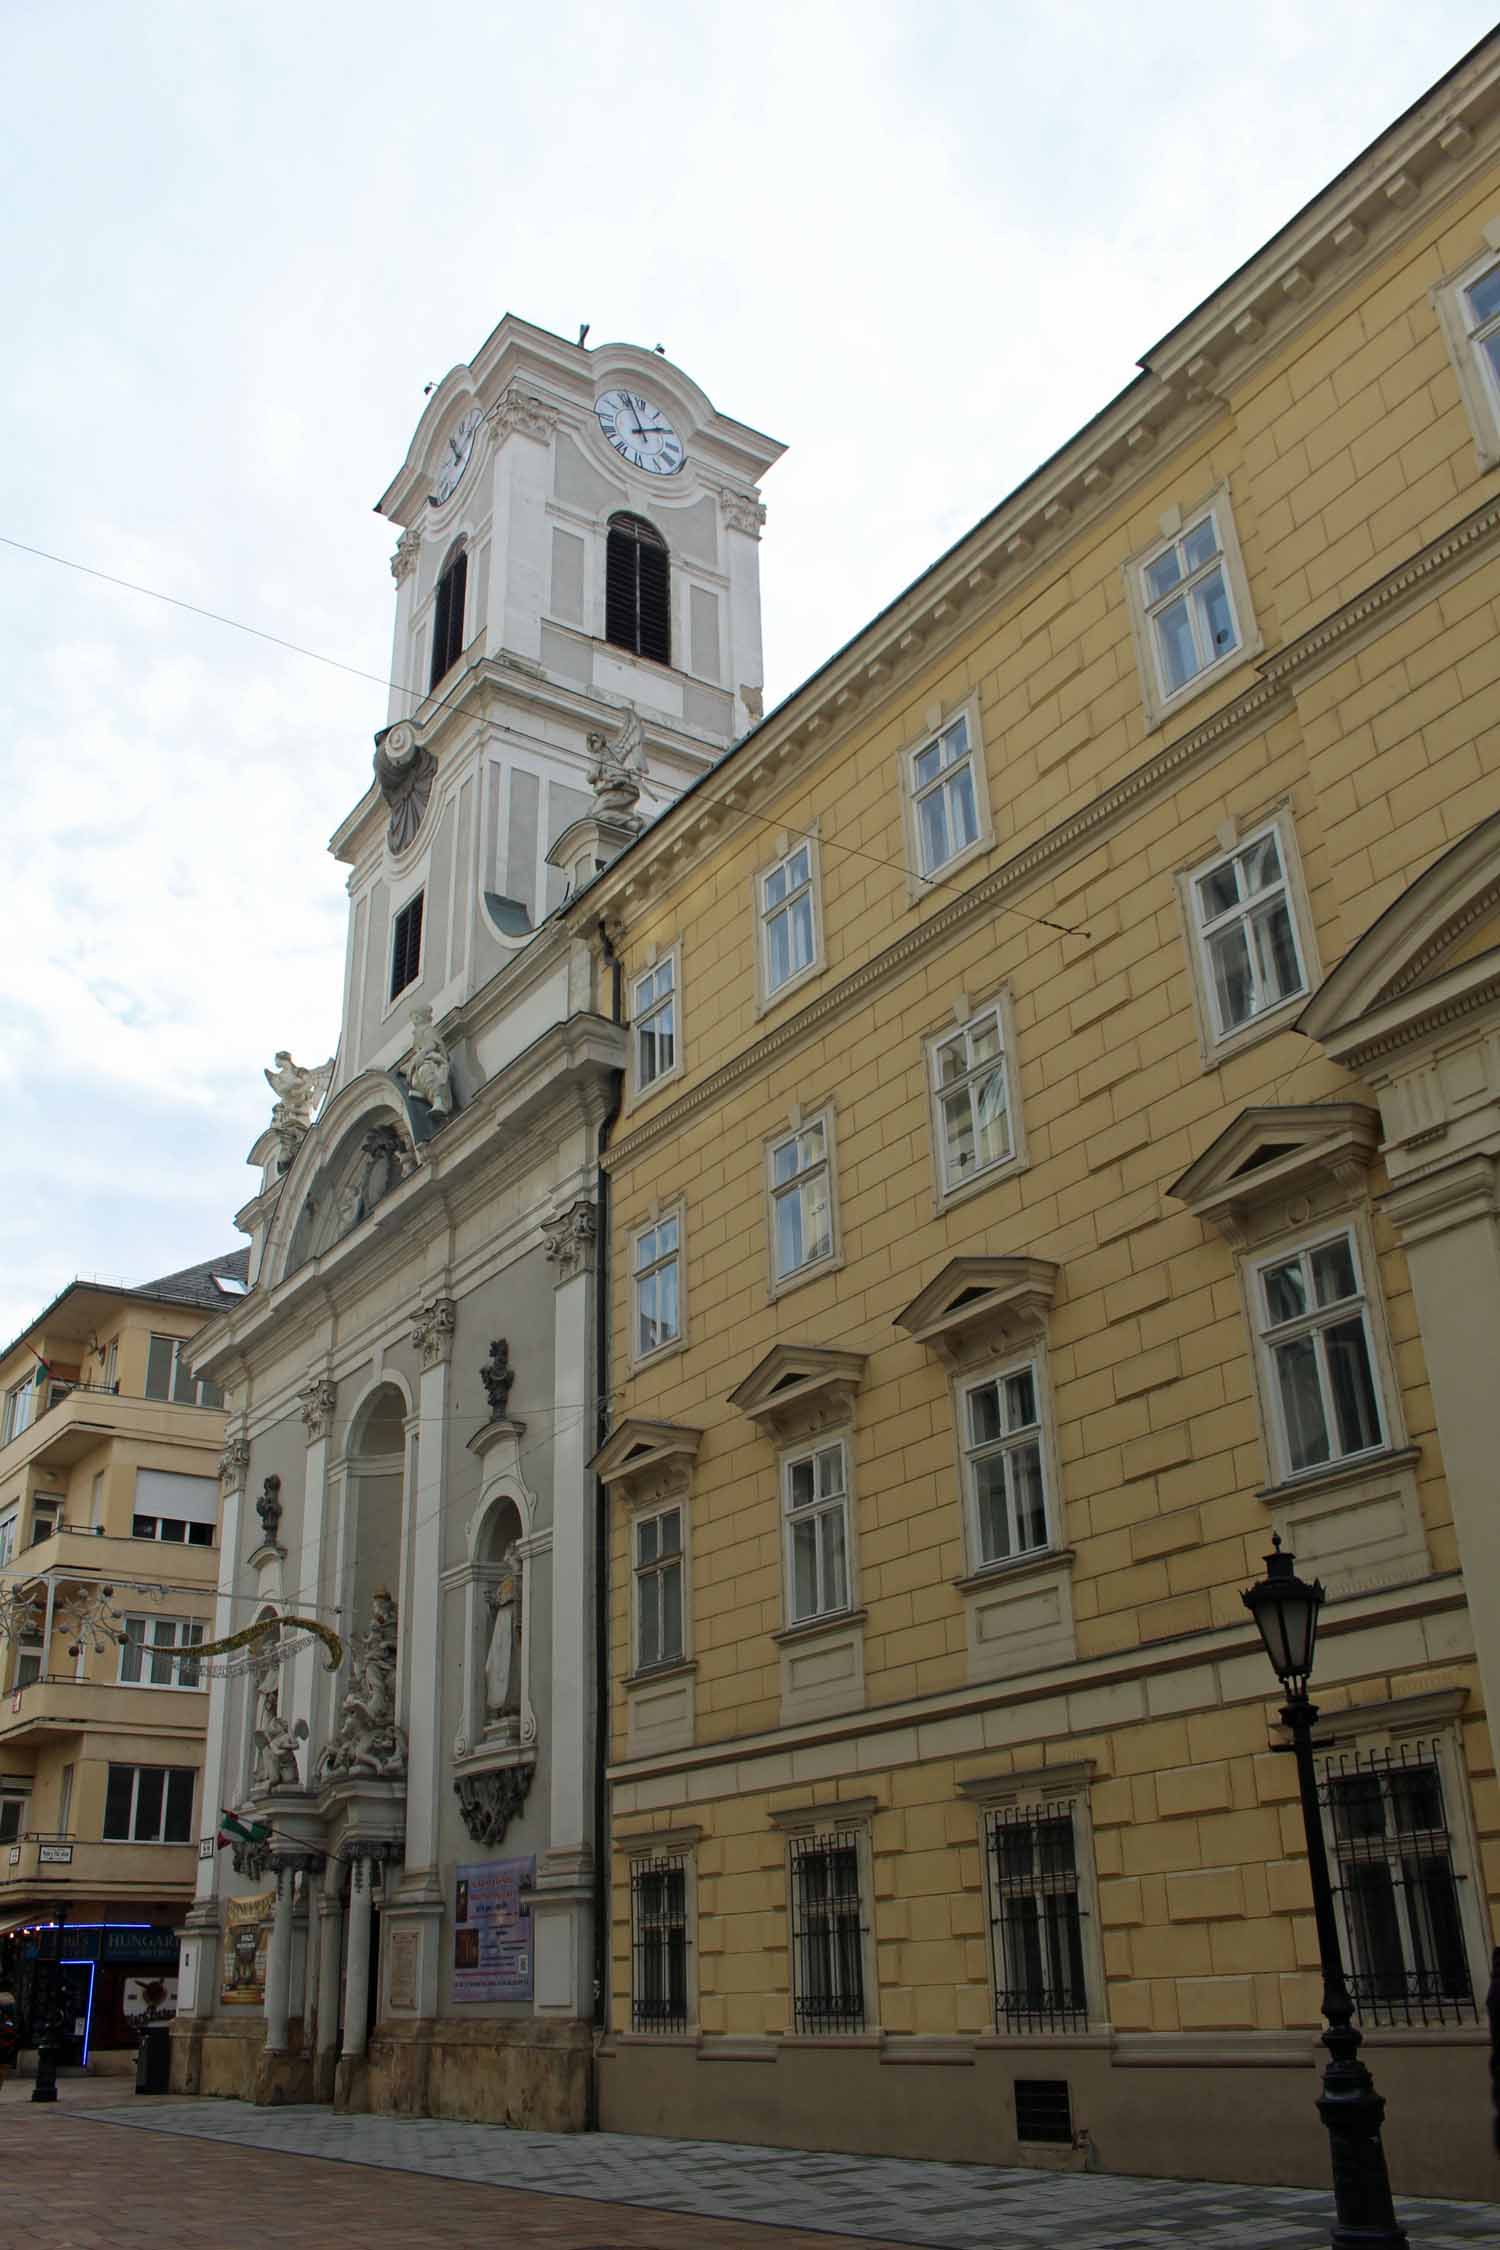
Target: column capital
x=571, y=1239
x=1451, y=1195
x=318, y=1399
x=432, y=1327
x=234, y=1466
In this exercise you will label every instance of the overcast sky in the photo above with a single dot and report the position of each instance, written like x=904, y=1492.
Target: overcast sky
x=919, y=241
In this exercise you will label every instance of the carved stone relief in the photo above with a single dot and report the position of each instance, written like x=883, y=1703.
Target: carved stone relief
x=405, y=773
x=489, y=1802
x=366, y=1738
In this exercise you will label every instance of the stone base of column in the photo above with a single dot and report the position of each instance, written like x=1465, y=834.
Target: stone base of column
x=351, y=2084
x=282, y=2077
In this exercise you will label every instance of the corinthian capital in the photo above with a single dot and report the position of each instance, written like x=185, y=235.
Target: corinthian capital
x=432, y=1327
x=318, y=1398
x=570, y=1239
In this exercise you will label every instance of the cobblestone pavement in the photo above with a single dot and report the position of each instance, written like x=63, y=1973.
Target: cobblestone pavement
x=871, y=2199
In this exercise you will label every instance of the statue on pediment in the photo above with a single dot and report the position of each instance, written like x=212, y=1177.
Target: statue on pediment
x=366, y=1738
x=429, y=1073
x=276, y=1745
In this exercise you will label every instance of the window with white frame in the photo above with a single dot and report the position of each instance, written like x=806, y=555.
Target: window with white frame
x=659, y=1944
x=1245, y=925
x=654, y=1019
x=801, y=1200
x=946, y=810
x=1313, y=1318
x=151, y=1652
x=815, y=1487
x=149, y=1804
x=658, y=1589
x=788, y=927
x=1004, y=1465
x=19, y=1402
x=1468, y=304
x=971, y=1100
x=1189, y=605
x=1395, y=1884
x=169, y=1374
x=1036, y=1918
x=8, y=1535
x=657, y=1285
x=828, y=1933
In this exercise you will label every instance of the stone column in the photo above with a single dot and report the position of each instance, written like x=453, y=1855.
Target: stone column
x=330, y=1932
x=279, y=1961
x=357, y=1968
x=202, y=1928
x=564, y=1893
x=318, y=1399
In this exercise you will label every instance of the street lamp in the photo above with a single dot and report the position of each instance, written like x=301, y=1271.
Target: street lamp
x=1285, y=1609
x=48, y=1954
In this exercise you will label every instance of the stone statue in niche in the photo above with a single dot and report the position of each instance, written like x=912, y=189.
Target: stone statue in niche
x=502, y=1665
x=383, y=1162
x=405, y=774
x=268, y=1508
x=498, y=1378
x=366, y=1739
x=429, y=1074
x=276, y=1745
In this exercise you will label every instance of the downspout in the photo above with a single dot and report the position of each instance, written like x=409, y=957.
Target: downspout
x=601, y=1554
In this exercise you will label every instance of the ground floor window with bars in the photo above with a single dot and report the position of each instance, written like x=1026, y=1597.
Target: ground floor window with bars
x=658, y=1936
x=828, y=1932
x=1395, y=1885
x=1036, y=1919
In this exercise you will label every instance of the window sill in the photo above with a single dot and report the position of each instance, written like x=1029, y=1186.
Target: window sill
x=1160, y=709
x=948, y=1198
x=924, y=884
x=803, y=1275
x=653, y=1359
x=687, y=2038
x=1383, y=1463
x=1263, y=1026
x=646, y=1675
x=832, y=2039
x=1019, y=1566
x=648, y=1092
x=808, y=1628
x=767, y=1002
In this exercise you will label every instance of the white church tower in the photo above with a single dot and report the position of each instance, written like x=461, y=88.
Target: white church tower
x=406, y=1918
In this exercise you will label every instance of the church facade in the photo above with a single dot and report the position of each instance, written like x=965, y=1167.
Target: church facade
x=405, y=1915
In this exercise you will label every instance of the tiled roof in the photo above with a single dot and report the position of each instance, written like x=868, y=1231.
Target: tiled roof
x=197, y=1285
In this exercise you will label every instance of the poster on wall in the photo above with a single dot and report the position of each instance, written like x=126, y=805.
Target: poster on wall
x=247, y=1927
x=148, y=1999
x=492, y=1930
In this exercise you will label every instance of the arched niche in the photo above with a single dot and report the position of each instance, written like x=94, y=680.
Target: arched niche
x=373, y=1469
x=266, y=1671
x=495, y=1583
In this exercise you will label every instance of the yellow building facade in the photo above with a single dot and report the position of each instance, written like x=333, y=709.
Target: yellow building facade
x=109, y=1503
x=1058, y=1154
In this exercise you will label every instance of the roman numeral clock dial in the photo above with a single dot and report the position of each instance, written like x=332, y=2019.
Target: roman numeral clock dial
x=640, y=433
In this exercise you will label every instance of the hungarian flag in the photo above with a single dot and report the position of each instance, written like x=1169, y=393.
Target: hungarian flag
x=233, y=1830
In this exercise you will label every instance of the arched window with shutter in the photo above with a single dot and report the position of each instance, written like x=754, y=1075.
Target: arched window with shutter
x=637, y=589
x=448, y=615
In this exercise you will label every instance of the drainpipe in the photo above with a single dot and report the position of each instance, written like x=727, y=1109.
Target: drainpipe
x=601, y=1554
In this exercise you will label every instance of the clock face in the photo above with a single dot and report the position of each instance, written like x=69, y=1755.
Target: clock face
x=641, y=432
x=456, y=459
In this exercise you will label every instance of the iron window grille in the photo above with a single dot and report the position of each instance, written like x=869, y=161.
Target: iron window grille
x=406, y=945
x=1036, y=1919
x=637, y=589
x=658, y=1925
x=828, y=1933
x=448, y=617
x=1395, y=1886
x=1044, y=2110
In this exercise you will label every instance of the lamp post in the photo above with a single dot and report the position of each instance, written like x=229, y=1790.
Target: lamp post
x=49, y=1944
x=1285, y=1609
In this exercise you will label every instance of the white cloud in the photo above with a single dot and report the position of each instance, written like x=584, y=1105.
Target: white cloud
x=919, y=244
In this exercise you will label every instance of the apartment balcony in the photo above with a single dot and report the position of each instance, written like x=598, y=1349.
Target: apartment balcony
x=90, y=1556
x=83, y=1416
x=55, y=1705
x=45, y=1870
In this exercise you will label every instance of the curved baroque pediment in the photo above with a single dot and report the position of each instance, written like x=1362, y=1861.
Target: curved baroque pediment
x=359, y=1150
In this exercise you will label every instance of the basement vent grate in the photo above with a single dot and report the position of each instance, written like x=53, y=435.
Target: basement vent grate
x=1043, y=2110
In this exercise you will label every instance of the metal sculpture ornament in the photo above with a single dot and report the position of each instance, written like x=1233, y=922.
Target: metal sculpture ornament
x=270, y=1630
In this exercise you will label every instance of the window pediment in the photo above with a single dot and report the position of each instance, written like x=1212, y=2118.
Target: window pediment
x=1272, y=1153
x=798, y=1388
x=644, y=1460
x=978, y=1306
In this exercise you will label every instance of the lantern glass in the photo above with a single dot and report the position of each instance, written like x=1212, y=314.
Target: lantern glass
x=1285, y=1608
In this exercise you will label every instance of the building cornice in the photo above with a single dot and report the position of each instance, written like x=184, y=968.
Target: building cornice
x=678, y=844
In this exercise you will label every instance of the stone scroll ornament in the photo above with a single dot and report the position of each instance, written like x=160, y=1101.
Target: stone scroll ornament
x=405, y=773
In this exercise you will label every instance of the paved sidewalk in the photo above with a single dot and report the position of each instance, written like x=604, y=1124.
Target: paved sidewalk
x=873, y=2199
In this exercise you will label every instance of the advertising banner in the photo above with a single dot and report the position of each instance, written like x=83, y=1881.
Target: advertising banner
x=148, y=2000
x=247, y=1928
x=492, y=1930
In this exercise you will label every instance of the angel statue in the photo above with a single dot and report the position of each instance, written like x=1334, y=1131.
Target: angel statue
x=298, y=1091
x=429, y=1074
x=614, y=776
x=276, y=1746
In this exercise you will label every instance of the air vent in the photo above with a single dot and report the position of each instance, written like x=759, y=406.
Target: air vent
x=1043, y=2110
